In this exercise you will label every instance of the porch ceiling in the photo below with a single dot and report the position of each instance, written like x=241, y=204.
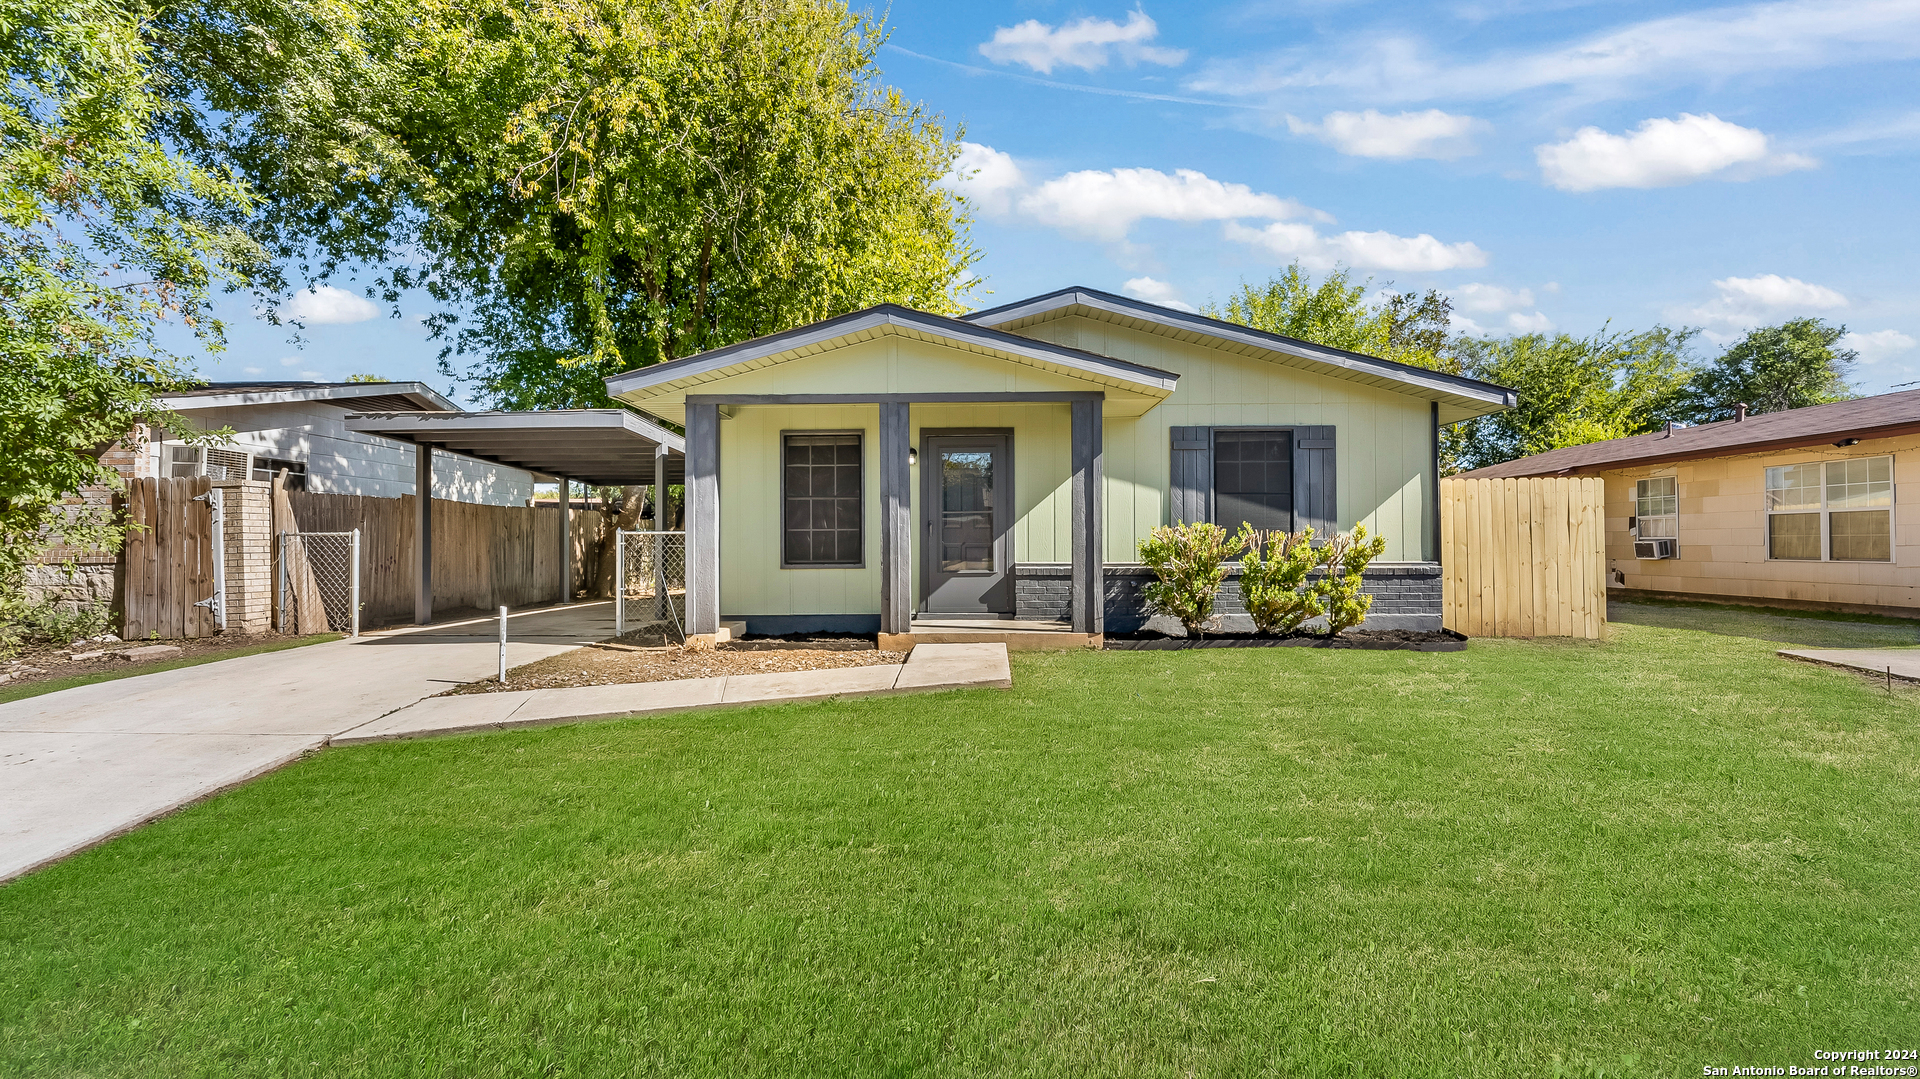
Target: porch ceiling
x=605, y=447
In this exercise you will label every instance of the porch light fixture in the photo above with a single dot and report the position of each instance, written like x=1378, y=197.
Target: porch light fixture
x=913, y=456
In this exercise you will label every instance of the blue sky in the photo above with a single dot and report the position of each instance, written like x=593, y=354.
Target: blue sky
x=1551, y=164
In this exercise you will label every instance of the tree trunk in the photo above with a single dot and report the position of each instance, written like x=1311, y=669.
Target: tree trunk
x=631, y=499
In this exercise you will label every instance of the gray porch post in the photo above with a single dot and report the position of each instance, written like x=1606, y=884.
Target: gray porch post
x=703, y=519
x=660, y=524
x=422, y=534
x=566, y=539
x=1089, y=542
x=896, y=518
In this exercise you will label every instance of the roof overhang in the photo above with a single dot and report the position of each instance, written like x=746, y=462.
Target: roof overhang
x=605, y=447
x=1459, y=398
x=367, y=395
x=662, y=388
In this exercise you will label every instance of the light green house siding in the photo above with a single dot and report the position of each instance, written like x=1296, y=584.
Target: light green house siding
x=1383, y=450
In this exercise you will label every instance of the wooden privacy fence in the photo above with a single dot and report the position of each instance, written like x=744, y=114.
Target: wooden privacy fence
x=169, y=559
x=1524, y=557
x=483, y=556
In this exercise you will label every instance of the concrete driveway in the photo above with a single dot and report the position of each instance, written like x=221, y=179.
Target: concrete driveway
x=82, y=765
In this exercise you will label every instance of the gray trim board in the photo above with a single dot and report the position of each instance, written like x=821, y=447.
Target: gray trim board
x=703, y=519
x=1088, y=513
x=1433, y=490
x=896, y=518
x=885, y=316
x=779, y=625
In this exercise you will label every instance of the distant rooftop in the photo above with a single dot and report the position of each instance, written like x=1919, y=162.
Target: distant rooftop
x=354, y=396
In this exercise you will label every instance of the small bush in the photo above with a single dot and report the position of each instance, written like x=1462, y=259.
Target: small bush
x=1273, y=578
x=1346, y=558
x=1189, y=562
x=23, y=623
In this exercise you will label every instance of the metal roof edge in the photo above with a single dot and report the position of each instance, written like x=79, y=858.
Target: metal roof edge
x=1062, y=300
x=327, y=393
x=369, y=422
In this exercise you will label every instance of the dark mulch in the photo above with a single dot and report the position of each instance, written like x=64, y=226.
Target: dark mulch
x=1444, y=640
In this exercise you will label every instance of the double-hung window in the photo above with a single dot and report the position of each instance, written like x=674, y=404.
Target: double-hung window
x=820, y=500
x=1839, y=511
x=1656, y=508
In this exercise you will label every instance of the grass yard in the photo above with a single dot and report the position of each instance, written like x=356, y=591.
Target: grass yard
x=1641, y=857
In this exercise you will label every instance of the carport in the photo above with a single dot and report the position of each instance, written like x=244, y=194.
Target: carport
x=601, y=447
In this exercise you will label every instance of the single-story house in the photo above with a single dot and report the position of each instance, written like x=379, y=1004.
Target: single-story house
x=1800, y=508
x=301, y=427
x=894, y=470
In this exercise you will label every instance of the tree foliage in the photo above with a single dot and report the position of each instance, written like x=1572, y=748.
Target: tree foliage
x=105, y=234
x=589, y=187
x=1774, y=368
x=1405, y=327
x=1572, y=390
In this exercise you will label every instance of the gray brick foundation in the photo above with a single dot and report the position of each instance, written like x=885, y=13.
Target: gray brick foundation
x=1406, y=595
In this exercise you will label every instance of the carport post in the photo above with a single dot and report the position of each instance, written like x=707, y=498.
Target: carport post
x=422, y=534
x=566, y=539
x=660, y=526
x=703, y=520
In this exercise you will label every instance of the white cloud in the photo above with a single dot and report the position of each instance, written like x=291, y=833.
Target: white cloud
x=1662, y=153
x=1435, y=134
x=254, y=370
x=1088, y=44
x=289, y=361
x=1878, y=345
x=1743, y=302
x=1360, y=250
x=1105, y=204
x=1529, y=323
x=986, y=176
x=1152, y=291
x=1492, y=298
x=1698, y=47
x=323, y=305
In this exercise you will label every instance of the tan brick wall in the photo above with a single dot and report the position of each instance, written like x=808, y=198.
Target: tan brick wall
x=1723, y=533
x=249, y=555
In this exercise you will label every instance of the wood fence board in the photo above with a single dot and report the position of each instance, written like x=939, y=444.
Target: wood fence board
x=1524, y=557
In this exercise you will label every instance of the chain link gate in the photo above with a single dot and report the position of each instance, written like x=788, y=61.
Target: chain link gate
x=650, y=582
x=320, y=568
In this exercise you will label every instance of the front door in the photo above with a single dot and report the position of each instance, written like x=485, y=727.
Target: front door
x=968, y=495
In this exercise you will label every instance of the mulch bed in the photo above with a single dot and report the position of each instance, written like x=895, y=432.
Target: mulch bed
x=1444, y=640
x=40, y=663
x=624, y=660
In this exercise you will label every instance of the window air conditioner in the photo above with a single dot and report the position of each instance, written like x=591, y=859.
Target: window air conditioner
x=189, y=461
x=1653, y=548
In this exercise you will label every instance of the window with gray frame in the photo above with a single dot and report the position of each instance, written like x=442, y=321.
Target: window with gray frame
x=1253, y=479
x=820, y=497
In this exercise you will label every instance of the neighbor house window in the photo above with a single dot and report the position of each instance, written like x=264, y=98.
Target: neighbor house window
x=820, y=500
x=1656, y=508
x=266, y=468
x=1253, y=479
x=1841, y=511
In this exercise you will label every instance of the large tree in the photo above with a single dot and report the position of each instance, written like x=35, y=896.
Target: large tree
x=106, y=234
x=1572, y=390
x=1338, y=311
x=585, y=187
x=1772, y=369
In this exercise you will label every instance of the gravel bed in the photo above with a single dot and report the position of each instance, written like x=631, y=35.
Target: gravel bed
x=620, y=665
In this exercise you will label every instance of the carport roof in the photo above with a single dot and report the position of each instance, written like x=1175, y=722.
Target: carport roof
x=605, y=447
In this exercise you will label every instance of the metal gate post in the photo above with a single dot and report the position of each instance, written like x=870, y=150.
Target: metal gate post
x=619, y=583
x=217, y=504
x=354, y=599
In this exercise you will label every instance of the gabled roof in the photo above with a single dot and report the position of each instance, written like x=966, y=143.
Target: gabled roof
x=684, y=373
x=1862, y=418
x=357, y=396
x=1460, y=398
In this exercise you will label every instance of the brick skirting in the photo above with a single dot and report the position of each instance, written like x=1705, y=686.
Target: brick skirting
x=1406, y=595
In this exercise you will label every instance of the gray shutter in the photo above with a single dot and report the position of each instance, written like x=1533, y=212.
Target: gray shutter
x=1190, y=483
x=1314, y=502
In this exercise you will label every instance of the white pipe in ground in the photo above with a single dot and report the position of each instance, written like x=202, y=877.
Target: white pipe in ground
x=503, y=644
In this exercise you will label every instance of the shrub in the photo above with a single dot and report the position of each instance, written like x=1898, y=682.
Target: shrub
x=49, y=622
x=1273, y=578
x=1189, y=562
x=1346, y=558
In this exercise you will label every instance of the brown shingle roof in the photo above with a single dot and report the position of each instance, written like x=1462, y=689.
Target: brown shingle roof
x=1865, y=417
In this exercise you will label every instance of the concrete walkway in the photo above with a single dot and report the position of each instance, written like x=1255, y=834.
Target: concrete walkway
x=1903, y=662
x=81, y=765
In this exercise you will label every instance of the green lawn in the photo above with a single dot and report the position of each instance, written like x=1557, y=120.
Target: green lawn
x=1532, y=858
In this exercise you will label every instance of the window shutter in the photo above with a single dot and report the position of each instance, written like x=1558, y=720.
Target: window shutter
x=1314, y=502
x=1190, y=482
